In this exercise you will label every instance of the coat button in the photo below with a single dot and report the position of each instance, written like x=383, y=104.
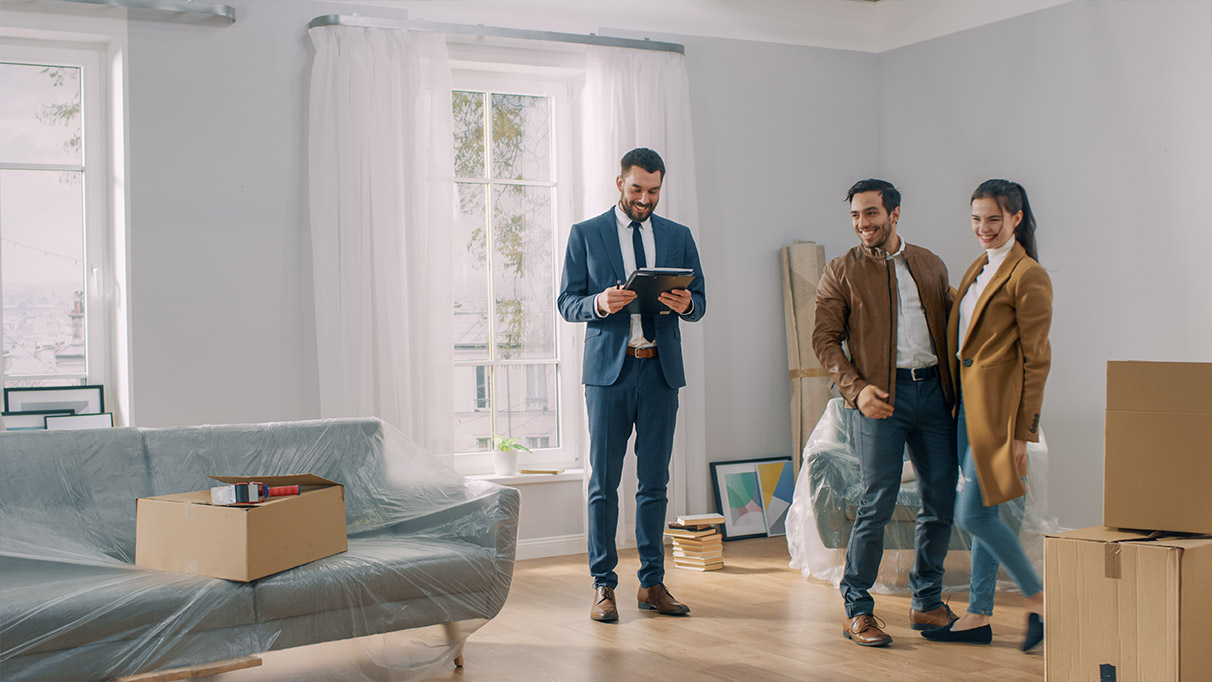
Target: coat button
x=967, y=362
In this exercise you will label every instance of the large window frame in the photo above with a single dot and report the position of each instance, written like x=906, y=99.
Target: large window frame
x=96, y=157
x=557, y=84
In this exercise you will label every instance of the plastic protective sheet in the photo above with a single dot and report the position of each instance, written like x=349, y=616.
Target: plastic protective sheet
x=828, y=492
x=430, y=554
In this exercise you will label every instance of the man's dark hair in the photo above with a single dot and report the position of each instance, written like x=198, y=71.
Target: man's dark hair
x=644, y=158
x=890, y=194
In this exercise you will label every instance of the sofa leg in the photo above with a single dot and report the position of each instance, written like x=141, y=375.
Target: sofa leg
x=452, y=633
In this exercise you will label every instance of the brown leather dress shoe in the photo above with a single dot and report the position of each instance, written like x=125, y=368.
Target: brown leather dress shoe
x=657, y=598
x=603, y=605
x=934, y=618
x=865, y=630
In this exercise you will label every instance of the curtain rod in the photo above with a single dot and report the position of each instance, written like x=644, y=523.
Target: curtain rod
x=495, y=32
x=170, y=9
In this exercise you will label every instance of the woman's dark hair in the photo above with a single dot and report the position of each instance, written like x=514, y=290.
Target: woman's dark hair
x=1012, y=198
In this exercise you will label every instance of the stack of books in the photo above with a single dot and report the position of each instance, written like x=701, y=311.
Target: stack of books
x=697, y=545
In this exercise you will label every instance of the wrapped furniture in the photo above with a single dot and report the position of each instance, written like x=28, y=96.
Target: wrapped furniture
x=827, y=496
x=426, y=547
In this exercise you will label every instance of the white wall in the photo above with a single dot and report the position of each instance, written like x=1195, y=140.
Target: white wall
x=780, y=133
x=1103, y=112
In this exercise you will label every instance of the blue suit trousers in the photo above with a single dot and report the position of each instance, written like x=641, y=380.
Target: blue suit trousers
x=642, y=400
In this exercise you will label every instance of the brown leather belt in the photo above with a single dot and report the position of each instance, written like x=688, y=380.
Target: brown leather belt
x=650, y=352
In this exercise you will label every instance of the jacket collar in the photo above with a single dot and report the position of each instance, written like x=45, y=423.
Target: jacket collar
x=876, y=253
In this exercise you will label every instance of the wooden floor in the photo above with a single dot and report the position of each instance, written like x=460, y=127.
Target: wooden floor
x=755, y=621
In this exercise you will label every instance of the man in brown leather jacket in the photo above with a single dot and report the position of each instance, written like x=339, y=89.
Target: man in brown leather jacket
x=888, y=302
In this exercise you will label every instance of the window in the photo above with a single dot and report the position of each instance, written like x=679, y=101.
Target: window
x=53, y=212
x=511, y=364
x=481, y=387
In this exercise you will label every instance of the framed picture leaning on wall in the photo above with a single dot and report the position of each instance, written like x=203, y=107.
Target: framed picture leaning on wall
x=78, y=399
x=753, y=495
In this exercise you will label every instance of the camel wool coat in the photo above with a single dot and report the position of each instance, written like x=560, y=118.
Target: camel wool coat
x=1002, y=367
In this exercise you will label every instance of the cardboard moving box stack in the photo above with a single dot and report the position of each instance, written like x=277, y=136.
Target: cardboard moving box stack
x=697, y=545
x=1131, y=601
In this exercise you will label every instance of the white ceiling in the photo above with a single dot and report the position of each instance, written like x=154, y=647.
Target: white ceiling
x=845, y=24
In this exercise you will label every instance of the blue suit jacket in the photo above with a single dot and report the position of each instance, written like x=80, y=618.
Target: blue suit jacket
x=594, y=262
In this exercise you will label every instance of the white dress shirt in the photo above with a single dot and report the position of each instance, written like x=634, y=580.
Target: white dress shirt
x=968, y=302
x=623, y=222
x=914, y=349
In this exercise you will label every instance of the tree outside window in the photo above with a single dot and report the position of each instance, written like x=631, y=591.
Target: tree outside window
x=504, y=270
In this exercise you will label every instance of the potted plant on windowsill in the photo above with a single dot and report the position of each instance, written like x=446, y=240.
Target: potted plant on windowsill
x=505, y=455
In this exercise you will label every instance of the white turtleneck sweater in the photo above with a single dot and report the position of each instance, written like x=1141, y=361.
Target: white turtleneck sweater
x=997, y=256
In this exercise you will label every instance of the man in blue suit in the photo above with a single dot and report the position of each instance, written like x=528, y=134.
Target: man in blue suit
x=632, y=371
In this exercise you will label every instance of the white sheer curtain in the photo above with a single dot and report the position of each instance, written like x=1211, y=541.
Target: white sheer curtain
x=380, y=169
x=641, y=98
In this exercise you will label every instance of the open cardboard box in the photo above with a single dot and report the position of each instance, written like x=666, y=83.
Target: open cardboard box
x=185, y=533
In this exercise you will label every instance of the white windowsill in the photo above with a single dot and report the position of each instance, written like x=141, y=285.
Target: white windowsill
x=526, y=479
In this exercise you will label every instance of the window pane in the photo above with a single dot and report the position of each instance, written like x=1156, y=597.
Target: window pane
x=521, y=137
x=42, y=262
x=470, y=274
x=469, y=134
x=473, y=415
x=522, y=281
x=40, y=114
x=526, y=402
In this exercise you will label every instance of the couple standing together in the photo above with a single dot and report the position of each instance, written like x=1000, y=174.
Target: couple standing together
x=916, y=354
x=891, y=305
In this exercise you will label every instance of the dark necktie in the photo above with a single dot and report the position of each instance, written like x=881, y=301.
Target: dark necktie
x=647, y=322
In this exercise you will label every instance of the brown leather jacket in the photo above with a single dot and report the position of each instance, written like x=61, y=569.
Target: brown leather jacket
x=856, y=303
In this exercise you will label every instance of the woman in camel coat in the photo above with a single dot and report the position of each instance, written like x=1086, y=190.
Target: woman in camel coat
x=1000, y=327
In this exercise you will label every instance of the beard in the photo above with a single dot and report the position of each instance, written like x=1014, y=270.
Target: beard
x=633, y=210
x=882, y=233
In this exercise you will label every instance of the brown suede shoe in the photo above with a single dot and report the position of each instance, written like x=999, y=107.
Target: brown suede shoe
x=934, y=618
x=865, y=630
x=603, y=605
x=657, y=598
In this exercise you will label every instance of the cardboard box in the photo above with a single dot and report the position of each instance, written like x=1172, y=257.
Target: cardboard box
x=186, y=534
x=1120, y=607
x=1158, y=459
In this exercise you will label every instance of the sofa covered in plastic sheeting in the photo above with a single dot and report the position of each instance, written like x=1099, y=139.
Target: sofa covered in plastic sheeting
x=426, y=547
x=827, y=496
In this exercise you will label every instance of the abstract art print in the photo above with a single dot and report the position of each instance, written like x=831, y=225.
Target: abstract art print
x=753, y=495
x=777, y=482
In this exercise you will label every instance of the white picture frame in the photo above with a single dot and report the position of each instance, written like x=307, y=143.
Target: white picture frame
x=72, y=422
x=30, y=421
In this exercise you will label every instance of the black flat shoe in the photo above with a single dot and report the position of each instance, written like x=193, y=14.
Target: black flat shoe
x=1035, y=631
x=981, y=635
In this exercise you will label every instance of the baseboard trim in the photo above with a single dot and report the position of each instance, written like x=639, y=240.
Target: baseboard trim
x=556, y=545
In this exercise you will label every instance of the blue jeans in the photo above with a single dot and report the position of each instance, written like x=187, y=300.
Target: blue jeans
x=641, y=399
x=994, y=544
x=922, y=420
